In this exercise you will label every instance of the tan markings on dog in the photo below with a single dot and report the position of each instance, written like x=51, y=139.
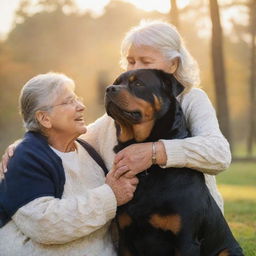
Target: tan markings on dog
x=169, y=222
x=126, y=133
x=126, y=253
x=177, y=253
x=148, y=110
x=224, y=253
x=129, y=102
x=124, y=220
x=132, y=78
x=157, y=103
x=142, y=131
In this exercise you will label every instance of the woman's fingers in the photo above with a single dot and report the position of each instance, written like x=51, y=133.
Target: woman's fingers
x=138, y=157
x=10, y=151
x=119, y=156
x=6, y=157
x=135, y=181
x=121, y=171
x=4, y=162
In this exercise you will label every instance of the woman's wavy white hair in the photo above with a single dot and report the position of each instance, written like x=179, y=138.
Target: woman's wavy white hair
x=39, y=93
x=165, y=38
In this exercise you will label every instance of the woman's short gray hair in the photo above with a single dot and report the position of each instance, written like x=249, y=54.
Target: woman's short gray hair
x=39, y=93
x=165, y=38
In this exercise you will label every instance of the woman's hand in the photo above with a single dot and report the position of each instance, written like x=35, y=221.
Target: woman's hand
x=122, y=187
x=6, y=156
x=137, y=158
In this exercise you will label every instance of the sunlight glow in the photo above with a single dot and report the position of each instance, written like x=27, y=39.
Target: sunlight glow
x=146, y=5
x=151, y=5
x=95, y=6
x=237, y=13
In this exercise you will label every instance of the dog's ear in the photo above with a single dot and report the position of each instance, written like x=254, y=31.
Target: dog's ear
x=177, y=87
x=116, y=81
x=172, y=85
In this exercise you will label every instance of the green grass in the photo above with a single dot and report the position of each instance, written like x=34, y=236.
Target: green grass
x=240, y=150
x=238, y=187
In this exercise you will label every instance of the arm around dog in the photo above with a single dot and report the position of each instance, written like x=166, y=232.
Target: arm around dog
x=207, y=150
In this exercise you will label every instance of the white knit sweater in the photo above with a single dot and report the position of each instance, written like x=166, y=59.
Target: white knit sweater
x=207, y=150
x=76, y=225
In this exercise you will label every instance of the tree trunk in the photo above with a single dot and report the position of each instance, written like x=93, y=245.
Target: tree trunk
x=174, y=14
x=252, y=90
x=219, y=71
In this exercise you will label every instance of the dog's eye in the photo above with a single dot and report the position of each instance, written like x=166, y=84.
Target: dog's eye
x=138, y=84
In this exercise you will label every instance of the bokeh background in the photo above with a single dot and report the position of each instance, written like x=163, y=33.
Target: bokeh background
x=82, y=39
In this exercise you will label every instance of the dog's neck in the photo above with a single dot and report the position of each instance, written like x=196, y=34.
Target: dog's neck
x=138, y=132
x=171, y=125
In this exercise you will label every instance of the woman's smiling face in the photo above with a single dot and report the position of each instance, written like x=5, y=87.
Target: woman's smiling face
x=66, y=116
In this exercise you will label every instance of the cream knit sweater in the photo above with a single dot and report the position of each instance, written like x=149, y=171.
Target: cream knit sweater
x=76, y=225
x=207, y=150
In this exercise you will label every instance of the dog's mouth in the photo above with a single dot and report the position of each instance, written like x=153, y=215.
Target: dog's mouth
x=133, y=115
x=122, y=115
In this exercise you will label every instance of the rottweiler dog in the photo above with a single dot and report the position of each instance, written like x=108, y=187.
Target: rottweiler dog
x=172, y=212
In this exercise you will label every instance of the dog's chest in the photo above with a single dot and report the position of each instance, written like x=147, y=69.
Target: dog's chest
x=163, y=191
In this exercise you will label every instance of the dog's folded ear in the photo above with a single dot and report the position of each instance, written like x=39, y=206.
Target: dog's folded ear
x=177, y=87
x=172, y=85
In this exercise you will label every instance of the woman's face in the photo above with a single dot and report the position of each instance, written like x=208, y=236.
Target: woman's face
x=67, y=114
x=148, y=57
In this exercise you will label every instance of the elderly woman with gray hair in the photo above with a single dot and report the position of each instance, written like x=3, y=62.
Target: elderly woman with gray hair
x=158, y=45
x=55, y=199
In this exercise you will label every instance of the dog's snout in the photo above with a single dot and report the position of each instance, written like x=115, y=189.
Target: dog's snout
x=111, y=89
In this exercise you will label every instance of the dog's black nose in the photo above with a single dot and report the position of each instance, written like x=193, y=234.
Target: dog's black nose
x=111, y=88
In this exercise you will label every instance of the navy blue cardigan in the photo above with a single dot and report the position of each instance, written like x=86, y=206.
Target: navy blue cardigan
x=34, y=171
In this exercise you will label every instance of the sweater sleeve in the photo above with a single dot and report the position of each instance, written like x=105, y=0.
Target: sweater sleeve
x=102, y=136
x=50, y=220
x=207, y=150
x=96, y=131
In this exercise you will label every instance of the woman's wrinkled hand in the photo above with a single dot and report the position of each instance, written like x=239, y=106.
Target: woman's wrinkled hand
x=6, y=156
x=122, y=187
x=133, y=159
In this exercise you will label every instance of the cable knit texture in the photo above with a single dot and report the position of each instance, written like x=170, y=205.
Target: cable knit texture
x=206, y=151
x=77, y=224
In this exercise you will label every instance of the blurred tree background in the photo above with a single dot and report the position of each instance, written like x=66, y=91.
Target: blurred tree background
x=54, y=35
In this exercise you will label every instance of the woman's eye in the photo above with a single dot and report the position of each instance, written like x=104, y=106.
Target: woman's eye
x=130, y=62
x=70, y=101
x=65, y=102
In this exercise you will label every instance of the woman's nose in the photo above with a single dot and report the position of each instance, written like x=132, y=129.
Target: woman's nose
x=80, y=106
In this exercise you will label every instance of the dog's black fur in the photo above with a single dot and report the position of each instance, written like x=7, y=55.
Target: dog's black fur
x=172, y=212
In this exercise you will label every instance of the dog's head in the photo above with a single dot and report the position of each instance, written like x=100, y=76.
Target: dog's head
x=138, y=98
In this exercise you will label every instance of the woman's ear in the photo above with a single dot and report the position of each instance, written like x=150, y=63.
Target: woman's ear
x=43, y=118
x=174, y=65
